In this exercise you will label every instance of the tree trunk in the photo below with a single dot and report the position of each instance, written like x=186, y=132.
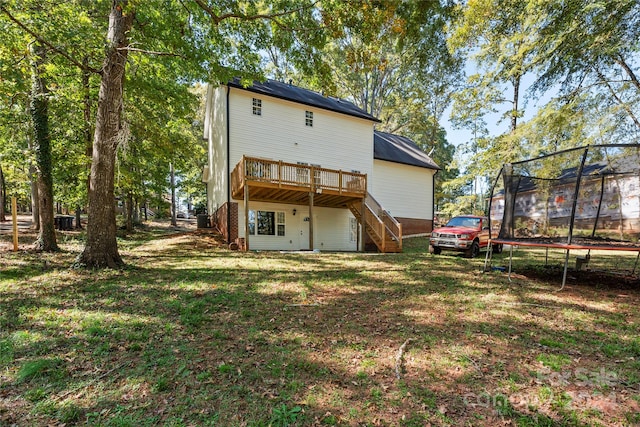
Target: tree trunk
x=33, y=182
x=35, y=197
x=42, y=144
x=78, y=217
x=2, y=195
x=101, y=248
x=516, y=98
x=173, y=195
x=136, y=211
x=87, y=119
x=128, y=203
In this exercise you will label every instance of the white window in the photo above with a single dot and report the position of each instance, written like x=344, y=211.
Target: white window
x=280, y=223
x=252, y=222
x=266, y=223
x=308, y=118
x=353, y=229
x=257, y=107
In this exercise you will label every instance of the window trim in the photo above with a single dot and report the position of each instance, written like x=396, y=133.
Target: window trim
x=279, y=222
x=256, y=105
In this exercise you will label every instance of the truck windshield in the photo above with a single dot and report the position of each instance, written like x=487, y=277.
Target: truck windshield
x=463, y=221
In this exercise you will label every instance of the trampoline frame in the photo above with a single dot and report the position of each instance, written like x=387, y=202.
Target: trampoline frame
x=568, y=246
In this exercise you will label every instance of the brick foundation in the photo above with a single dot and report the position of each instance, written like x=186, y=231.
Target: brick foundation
x=411, y=226
x=219, y=220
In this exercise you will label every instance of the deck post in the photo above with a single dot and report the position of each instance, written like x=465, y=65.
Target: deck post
x=311, y=194
x=363, y=208
x=359, y=237
x=246, y=217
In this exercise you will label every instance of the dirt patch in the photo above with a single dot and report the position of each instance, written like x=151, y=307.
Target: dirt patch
x=589, y=278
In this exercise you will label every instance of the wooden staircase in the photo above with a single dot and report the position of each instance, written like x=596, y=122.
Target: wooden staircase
x=382, y=228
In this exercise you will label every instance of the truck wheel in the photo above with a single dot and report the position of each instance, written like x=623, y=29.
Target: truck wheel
x=497, y=249
x=435, y=250
x=473, y=251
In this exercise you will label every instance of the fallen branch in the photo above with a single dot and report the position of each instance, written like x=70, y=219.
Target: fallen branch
x=399, y=358
x=528, y=304
x=86, y=385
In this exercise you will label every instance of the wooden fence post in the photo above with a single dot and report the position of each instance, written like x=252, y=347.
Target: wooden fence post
x=14, y=215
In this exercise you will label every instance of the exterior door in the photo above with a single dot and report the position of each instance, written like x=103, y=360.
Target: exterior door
x=303, y=229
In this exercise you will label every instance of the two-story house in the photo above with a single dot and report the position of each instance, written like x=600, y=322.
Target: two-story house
x=292, y=169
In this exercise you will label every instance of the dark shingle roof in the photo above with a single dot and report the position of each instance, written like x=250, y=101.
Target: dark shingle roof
x=399, y=149
x=308, y=97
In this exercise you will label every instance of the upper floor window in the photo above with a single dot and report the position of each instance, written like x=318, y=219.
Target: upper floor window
x=308, y=118
x=257, y=107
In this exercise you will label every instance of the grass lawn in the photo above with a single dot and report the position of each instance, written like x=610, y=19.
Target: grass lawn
x=191, y=333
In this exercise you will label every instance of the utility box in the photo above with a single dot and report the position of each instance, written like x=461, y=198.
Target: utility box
x=203, y=221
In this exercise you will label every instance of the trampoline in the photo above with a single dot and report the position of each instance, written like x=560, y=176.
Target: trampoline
x=584, y=198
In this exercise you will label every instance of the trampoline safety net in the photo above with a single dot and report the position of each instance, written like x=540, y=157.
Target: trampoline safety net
x=588, y=196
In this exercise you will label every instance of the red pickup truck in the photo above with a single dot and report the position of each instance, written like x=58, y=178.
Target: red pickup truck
x=466, y=233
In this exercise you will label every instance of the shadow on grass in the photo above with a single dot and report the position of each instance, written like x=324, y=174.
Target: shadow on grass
x=226, y=338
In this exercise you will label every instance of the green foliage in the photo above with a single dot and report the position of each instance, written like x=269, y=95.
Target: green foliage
x=283, y=416
x=554, y=361
x=41, y=368
x=391, y=60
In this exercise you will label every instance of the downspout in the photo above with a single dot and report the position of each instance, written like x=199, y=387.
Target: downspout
x=228, y=171
x=433, y=200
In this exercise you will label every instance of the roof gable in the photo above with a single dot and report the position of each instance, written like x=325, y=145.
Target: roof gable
x=307, y=97
x=400, y=149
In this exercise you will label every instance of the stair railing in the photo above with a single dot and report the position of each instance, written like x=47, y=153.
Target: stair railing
x=393, y=227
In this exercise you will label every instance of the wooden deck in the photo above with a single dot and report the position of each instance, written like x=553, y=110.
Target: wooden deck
x=275, y=181
x=280, y=182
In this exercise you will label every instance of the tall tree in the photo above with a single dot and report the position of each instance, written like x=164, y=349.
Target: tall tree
x=391, y=59
x=42, y=144
x=101, y=248
x=590, y=48
x=2, y=194
x=495, y=31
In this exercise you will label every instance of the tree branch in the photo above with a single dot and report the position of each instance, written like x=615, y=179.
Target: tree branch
x=42, y=40
x=271, y=16
x=399, y=358
x=615, y=96
x=149, y=52
x=620, y=60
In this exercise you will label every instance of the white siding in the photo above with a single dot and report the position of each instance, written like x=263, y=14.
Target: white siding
x=405, y=191
x=216, y=133
x=335, y=141
x=331, y=228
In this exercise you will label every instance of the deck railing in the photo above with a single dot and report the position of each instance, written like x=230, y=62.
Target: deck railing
x=308, y=177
